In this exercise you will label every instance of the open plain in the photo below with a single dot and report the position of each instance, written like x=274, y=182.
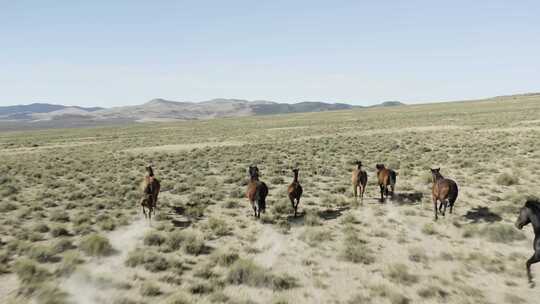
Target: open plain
x=71, y=229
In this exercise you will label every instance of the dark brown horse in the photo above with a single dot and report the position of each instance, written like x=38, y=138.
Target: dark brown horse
x=387, y=179
x=444, y=190
x=530, y=213
x=295, y=191
x=359, y=181
x=150, y=187
x=256, y=191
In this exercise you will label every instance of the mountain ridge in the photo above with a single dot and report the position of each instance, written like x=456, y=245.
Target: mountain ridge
x=157, y=110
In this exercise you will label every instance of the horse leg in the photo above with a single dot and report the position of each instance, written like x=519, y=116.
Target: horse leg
x=292, y=204
x=392, y=190
x=435, y=206
x=362, y=190
x=534, y=259
x=354, y=192
x=382, y=191
x=445, y=205
x=257, y=209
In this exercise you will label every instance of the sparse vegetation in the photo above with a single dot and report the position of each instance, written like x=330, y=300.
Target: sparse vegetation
x=95, y=245
x=72, y=195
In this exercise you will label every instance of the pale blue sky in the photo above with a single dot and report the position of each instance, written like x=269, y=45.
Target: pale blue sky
x=362, y=52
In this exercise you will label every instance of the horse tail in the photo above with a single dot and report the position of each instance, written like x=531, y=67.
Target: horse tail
x=260, y=195
x=393, y=178
x=453, y=193
x=156, y=191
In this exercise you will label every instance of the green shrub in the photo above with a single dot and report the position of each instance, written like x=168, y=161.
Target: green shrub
x=29, y=272
x=193, y=243
x=246, y=272
x=399, y=274
x=174, y=240
x=316, y=236
x=41, y=253
x=506, y=179
x=218, y=226
x=201, y=288
x=150, y=260
x=502, y=233
x=225, y=258
x=7, y=206
x=283, y=282
x=59, y=216
x=57, y=231
x=95, y=245
x=154, y=238
x=429, y=229
x=41, y=227
x=358, y=252
x=418, y=254
x=150, y=290
x=63, y=245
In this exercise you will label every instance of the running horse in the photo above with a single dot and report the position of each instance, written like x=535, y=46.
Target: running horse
x=530, y=213
x=150, y=187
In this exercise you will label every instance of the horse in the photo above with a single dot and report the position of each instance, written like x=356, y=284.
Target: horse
x=295, y=191
x=359, y=181
x=387, y=178
x=444, y=190
x=150, y=187
x=530, y=213
x=256, y=192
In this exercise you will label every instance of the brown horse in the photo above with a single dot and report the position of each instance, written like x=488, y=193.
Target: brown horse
x=444, y=190
x=295, y=191
x=150, y=187
x=530, y=213
x=359, y=181
x=387, y=179
x=256, y=192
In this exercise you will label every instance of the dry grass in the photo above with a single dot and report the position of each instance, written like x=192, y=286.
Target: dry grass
x=70, y=210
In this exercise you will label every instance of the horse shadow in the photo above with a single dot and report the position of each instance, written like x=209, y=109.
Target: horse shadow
x=408, y=198
x=479, y=214
x=298, y=219
x=181, y=224
x=332, y=214
x=180, y=210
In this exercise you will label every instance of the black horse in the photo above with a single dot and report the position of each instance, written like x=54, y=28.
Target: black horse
x=530, y=213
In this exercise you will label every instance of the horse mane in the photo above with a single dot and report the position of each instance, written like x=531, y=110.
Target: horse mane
x=533, y=204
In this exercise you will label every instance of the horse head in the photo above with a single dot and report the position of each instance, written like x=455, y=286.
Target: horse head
x=253, y=171
x=436, y=174
x=149, y=170
x=379, y=167
x=523, y=217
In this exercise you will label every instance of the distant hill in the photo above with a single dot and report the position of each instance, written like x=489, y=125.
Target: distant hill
x=47, y=115
x=27, y=112
x=388, y=104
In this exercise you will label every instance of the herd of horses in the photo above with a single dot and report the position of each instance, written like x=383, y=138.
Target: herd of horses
x=444, y=192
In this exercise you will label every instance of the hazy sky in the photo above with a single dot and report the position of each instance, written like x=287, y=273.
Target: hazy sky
x=109, y=53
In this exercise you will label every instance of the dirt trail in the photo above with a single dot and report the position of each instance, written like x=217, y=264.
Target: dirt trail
x=271, y=245
x=93, y=282
x=8, y=287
